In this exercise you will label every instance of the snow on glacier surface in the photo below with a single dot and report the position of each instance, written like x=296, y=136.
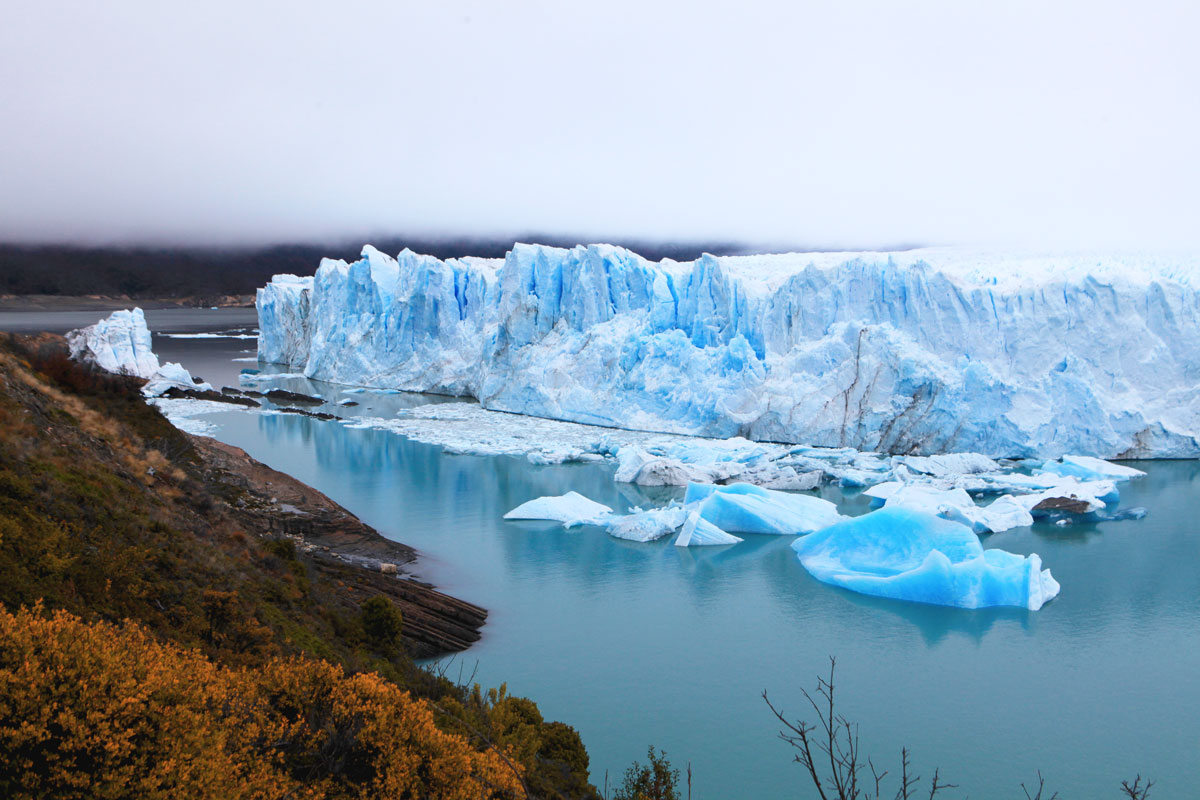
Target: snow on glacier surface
x=922, y=352
x=911, y=555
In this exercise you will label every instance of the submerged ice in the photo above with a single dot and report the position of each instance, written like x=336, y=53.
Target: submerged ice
x=925, y=351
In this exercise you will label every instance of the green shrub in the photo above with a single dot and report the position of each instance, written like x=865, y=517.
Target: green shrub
x=382, y=624
x=654, y=781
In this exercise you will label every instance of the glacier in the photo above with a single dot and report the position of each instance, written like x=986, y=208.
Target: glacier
x=118, y=343
x=121, y=343
x=920, y=352
x=915, y=556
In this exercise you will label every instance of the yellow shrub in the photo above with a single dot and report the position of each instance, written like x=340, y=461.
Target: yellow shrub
x=97, y=710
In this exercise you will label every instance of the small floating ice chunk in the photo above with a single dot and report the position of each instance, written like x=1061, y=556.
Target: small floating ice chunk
x=646, y=526
x=635, y=465
x=1087, y=468
x=1004, y=513
x=744, y=508
x=772, y=476
x=570, y=509
x=172, y=376
x=950, y=464
x=911, y=555
x=699, y=532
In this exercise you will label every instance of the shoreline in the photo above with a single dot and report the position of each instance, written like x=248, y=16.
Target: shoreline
x=272, y=504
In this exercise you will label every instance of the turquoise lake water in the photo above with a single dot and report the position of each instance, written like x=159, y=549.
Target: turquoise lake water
x=638, y=644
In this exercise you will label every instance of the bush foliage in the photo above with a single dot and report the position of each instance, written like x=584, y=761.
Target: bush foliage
x=104, y=711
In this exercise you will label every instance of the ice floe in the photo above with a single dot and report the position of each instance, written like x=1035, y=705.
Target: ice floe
x=1087, y=468
x=570, y=509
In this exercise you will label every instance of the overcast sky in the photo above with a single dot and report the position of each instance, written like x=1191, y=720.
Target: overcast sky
x=802, y=123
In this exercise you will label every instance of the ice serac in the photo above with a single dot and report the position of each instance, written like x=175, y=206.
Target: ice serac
x=919, y=352
x=911, y=555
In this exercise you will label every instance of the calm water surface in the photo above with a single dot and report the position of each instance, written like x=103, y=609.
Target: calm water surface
x=638, y=644
x=649, y=643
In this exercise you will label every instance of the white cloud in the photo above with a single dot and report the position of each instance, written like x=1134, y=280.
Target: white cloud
x=822, y=123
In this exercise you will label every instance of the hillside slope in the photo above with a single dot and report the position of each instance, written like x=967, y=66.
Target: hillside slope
x=110, y=513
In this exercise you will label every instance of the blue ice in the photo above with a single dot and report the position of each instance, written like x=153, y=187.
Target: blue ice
x=911, y=555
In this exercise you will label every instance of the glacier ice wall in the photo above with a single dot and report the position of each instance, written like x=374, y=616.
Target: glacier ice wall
x=924, y=351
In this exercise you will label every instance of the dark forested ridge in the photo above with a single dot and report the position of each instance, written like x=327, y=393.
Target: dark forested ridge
x=145, y=272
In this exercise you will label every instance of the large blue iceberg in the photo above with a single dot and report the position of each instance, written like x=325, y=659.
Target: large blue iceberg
x=912, y=555
x=915, y=352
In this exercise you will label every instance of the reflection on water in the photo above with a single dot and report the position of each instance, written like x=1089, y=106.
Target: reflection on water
x=648, y=643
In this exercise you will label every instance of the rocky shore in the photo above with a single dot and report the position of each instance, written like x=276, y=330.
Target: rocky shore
x=272, y=503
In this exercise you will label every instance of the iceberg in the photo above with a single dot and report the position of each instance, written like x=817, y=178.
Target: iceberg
x=1087, y=468
x=699, y=532
x=914, y=556
x=119, y=343
x=919, y=352
x=955, y=504
x=745, y=508
x=570, y=509
x=1071, y=495
x=647, y=526
x=173, y=376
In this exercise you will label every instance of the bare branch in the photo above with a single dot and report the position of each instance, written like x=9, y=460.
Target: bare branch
x=1136, y=791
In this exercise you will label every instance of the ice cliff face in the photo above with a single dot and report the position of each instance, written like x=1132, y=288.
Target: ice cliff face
x=922, y=351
